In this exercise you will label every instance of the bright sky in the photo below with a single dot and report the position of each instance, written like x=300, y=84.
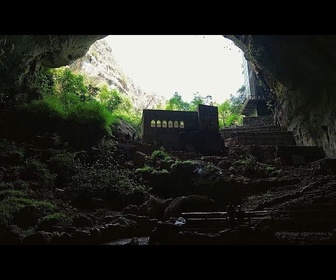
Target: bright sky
x=165, y=64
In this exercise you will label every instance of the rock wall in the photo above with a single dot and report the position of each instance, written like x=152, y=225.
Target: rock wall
x=101, y=64
x=300, y=72
x=22, y=55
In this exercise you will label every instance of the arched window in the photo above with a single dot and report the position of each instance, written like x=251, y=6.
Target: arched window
x=170, y=124
x=158, y=123
x=175, y=124
x=164, y=124
x=153, y=123
x=181, y=124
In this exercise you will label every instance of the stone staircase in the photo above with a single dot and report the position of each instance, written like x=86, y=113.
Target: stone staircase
x=250, y=106
x=265, y=141
x=257, y=131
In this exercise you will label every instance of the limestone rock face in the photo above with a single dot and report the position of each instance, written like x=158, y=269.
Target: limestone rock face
x=101, y=64
x=299, y=70
x=21, y=55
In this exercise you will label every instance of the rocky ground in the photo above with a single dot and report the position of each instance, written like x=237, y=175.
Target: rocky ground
x=37, y=207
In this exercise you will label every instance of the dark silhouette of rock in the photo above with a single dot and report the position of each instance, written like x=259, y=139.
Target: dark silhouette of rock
x=139, y=159
x=38, y=238
x=134, y=241
x=188, y=204
x=10, y=235
x=95, y=236
x=131, y=209
x=154, y=207
x=81, y=237
x=82, y=221
x=27, y=217
x=165, y=233
x=64, y=239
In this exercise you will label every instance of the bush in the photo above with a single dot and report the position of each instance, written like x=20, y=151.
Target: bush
x=36, y=171
x=63, y=165
x=80, y=123
x=14, y=202
x=106, y=181
x=10, y=153
x=145, y=170
x=160, y=155
x=56, y=219
x=11, y=192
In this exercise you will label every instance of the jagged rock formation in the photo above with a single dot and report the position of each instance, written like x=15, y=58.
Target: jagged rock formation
x=100, y=64
x=299, y=71
x=22, y=55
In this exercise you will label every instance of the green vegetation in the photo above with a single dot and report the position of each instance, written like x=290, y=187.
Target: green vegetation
x=36, y=171
x=160, y=155
x=62, y=101
x=57, y=219
x=14, y=201
x=250, y=167
x=105, y=178
x=228, y=111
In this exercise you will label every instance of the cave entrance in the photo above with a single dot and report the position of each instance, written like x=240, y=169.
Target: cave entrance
x=161, y=65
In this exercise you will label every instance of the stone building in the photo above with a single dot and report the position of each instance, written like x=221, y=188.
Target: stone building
x=198, y=130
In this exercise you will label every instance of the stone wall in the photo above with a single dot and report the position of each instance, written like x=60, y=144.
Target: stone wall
x=165, y=126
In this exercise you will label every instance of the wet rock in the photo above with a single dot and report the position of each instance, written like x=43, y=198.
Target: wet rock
x=64, y=239
x=96, y=203
x=95, y=236
x=56, y=229
x=188, y=204
x=105, y=233
x=131, y=209
x=224, y=164
x=164, y=233
x=144, y=224
x=325, y=166
x=11, y=235
x=154, y=207
x=134, y=241
x=81, y=237
x=82, y=221
x=70, y=230
x=49, y=225
x=38, y=238
x=128, y=227
x=27, y=217
x=112, y=231
x=55, y=239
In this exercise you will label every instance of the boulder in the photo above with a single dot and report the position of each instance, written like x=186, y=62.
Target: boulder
x=189, y=204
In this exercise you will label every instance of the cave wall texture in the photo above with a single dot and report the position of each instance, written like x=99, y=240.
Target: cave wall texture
x=22, y=55
x=299, y=71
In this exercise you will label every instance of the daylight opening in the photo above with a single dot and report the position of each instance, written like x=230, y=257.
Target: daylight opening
x=204, y=65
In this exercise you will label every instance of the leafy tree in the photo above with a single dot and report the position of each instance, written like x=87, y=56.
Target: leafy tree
x=67, y=82
x=224, y=111
x=198, y=99
x=176, y=103
x=110, y=98
x=229, y=111
x=237, y=100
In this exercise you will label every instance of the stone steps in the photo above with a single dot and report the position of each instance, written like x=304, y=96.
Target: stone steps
x=286, y=155
x=252, y=128
x=261, y=137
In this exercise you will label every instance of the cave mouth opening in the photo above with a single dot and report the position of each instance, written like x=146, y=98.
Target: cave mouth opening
x=186, y=64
